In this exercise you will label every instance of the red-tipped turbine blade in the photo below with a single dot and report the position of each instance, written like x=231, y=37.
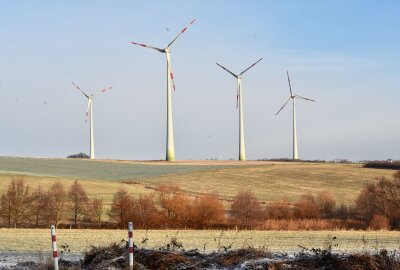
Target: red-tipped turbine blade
x=104, y=90
x=77, y=88
x=181, y=32
x=171, y=74
x=172, y=79
x=87, y=110
x=147, y=46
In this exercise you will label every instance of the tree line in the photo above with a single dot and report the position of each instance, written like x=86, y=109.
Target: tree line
x=21, y=206
x=376, y=207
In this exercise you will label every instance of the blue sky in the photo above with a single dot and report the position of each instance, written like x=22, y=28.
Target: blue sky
x=344, y=54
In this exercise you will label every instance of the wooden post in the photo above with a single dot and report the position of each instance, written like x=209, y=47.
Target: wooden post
x=130, y=244
x=54, y=246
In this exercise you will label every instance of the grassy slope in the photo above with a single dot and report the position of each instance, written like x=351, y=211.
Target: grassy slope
x=269, y=181
x=93, y=169
x=279, y=181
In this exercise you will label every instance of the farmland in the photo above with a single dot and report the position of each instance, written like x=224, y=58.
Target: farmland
x=283, y=241
x=269, y=181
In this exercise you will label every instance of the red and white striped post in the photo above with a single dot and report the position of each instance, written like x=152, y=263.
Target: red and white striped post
x=130, y=244
x=54, y=246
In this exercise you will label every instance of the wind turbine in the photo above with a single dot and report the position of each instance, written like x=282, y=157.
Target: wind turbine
x=90, y=109
x=293, y=98
x=170, y=155
x=239, y=103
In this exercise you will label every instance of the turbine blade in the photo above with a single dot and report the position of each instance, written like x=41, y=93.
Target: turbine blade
x=250, y=66
x=233, y=74
x=309, y=99
x=290, y=86
x=87, y=110
x=283, y=106
x=237, y=96
x=147, y=46
x=171, y=74
x=103, y=90
x=180, y=33
x=77, y=88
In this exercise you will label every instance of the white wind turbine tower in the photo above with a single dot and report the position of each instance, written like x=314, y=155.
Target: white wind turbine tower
x=90, y=109
x=170, y=155
x=293, y=98
x=239, y=103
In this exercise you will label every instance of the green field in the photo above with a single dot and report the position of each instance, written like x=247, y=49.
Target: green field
x=35, y=240
x=94, y=170
x=270, y=181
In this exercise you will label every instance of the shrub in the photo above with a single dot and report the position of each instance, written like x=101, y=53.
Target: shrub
x=379, y=222
x=207, y=210
x=306, y=207
x=246, y=209
x=326, y=203
x=394, y=165
x=80, y=155
x=279, y=210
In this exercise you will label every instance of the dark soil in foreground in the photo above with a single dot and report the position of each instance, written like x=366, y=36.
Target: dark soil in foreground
x=116, y=257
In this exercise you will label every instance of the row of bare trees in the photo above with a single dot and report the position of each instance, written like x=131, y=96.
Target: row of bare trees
x=168, y=207
x=22, y=206
x=377, y=207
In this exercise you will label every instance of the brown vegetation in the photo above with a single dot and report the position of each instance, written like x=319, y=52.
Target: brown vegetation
x=246, y=209
x=14, y=201
x=381, y=199
x=21, y=207
x=116, y=257
x=377, y=208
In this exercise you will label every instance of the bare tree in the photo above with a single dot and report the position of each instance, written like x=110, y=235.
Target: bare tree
x=145, y=211
x=381, y=198
x=121, y=208
x=246, y=209
x=97, y=208
x=166, y=195
x=15, y=202
x=39, y=206
x=57, y=202
x=78, y=202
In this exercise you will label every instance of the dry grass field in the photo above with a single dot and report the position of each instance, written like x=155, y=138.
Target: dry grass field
x=35, y=240
x=278, y=181
x=270, y=181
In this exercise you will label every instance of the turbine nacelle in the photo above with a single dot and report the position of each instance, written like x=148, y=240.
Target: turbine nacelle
x=91, y=96
x=292, y=96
